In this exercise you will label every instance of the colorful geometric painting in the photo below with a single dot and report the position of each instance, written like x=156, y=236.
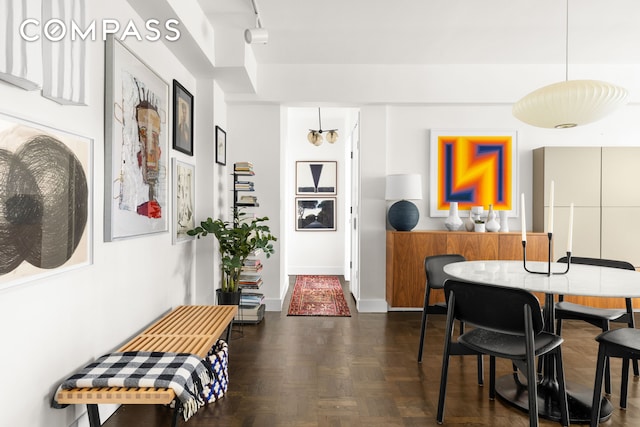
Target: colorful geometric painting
x=473, y=169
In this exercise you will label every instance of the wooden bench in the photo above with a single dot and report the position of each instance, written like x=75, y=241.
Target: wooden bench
x=190, y=329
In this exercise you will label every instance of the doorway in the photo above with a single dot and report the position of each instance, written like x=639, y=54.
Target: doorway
x=329, y=250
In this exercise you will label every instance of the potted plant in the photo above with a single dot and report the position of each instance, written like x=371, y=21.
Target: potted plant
x=237, y=240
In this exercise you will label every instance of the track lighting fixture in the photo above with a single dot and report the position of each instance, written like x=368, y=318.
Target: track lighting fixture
x=256, y=35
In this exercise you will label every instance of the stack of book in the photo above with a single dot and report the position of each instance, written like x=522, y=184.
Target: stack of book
x=244, y=185
x=252, y=265
x=247, y=201
x=243, y=168
x=249, y=281
x=251, y=309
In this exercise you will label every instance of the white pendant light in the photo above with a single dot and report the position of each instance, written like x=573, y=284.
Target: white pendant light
x=569, y=103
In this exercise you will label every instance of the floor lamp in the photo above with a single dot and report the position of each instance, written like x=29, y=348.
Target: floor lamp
x=403, y=215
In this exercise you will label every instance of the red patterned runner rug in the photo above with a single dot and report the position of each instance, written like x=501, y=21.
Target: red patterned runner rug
x=318, y=296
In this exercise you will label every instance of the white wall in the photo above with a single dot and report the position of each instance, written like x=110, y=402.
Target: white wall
x=408, y=143
x=55, y=325
x=253, y=135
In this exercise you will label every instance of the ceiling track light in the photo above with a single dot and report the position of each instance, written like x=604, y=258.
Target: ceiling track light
x=569, y=103
x=256, y=35
x=315, y=136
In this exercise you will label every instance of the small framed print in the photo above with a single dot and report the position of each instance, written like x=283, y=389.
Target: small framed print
x=182, y=119
x=184, y=197
x=316, y=178
x=315, y=214
x=221, y=146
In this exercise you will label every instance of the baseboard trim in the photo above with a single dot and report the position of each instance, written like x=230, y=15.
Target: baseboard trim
x=319, y=271
x=372, y=306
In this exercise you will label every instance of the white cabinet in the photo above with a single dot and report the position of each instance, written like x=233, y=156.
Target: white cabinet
x=604, y=185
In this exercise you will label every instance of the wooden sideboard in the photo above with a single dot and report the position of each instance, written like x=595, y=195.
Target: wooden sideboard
x=406, y=250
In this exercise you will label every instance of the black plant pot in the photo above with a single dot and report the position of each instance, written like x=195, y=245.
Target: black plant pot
x=228, y=298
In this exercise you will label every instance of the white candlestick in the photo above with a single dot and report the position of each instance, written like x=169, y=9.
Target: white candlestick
x=524, y=220
x=550, y=225
x=570, y=238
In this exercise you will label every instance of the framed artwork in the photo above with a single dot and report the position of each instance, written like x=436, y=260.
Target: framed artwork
x=45, y=201
x=182, y=119
x=221, y=146
x=184, y=197
x=473, y=168
x=316, y=177
x=136, y=141
x=315, y=214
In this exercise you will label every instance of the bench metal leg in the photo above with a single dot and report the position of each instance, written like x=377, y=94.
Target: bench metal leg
x=229, y=328
x=94, y=415
x=176, y=412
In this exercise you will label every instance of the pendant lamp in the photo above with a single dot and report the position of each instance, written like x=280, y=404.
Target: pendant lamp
x=315, y=136
x=569, y=103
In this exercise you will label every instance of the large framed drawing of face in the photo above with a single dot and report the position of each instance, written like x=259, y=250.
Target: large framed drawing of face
x=136, y=140
x=45, y=201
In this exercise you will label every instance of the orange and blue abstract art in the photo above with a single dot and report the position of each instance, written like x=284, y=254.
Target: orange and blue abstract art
x=473, y=170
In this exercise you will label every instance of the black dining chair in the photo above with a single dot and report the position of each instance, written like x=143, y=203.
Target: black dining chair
x=434, y=270
x=598, y=317
x=623, y=343
x=508, y=323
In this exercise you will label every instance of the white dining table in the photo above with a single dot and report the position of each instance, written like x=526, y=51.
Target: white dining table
x=585, y=280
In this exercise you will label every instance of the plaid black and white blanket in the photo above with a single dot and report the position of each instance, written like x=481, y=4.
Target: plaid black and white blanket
x=185, y=374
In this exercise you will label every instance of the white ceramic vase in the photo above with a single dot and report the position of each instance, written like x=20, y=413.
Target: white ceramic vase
x=469, y=223
x=453, y=221
x=492, y=224
x=504, y=221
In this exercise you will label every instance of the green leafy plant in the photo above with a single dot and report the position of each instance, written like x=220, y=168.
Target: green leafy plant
x=237, y=239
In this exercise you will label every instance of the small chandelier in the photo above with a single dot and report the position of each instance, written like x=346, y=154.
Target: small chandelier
x=569, y=103
x=315, y=136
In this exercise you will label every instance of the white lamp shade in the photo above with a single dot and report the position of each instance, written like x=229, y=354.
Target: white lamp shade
x=569, y=103
x=403, y=187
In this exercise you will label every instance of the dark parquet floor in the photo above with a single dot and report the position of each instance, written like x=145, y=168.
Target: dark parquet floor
x=362, y=371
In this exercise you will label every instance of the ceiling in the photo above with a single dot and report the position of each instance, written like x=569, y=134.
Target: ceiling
x=438, y=31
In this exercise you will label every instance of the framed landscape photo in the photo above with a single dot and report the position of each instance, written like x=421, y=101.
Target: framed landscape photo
x=221, y=146
x=136, y=146
x=316, y=177
x=182, y=119
x=316, y=214
x=184, y=196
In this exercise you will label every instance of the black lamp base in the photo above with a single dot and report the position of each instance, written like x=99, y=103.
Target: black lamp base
x=403, y=215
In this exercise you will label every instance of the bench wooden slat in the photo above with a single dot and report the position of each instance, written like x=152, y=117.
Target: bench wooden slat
x=122, y=395
x=199, y=345
x=186, y=329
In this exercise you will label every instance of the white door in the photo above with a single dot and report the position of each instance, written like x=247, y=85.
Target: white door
x=354, y=283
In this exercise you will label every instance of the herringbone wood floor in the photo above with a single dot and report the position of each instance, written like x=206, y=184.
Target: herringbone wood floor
x=362, y=371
